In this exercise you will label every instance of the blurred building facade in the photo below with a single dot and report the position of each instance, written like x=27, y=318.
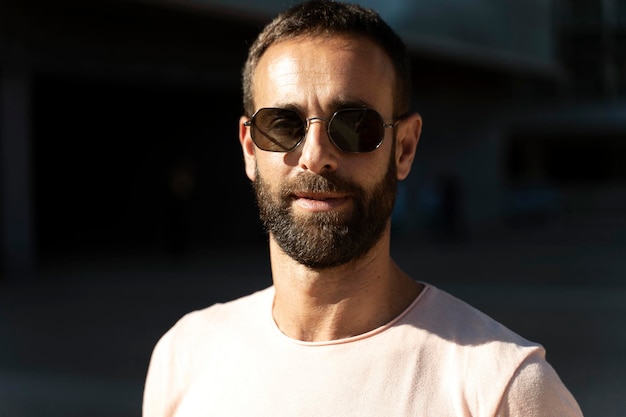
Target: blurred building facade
x=118, y=122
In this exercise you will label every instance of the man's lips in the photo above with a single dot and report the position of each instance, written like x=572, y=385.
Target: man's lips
x=319, y=201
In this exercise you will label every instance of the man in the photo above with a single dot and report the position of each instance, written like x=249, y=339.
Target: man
x=343, y=331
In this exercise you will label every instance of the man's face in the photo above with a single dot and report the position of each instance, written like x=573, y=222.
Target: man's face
x=322, y=206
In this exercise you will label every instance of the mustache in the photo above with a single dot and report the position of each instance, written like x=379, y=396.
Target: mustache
x=324, y=183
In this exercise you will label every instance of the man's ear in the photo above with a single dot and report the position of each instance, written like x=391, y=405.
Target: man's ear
x=407, y=136
x=248, y=148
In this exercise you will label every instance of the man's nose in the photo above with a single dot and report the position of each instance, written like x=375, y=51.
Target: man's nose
x=318, y=153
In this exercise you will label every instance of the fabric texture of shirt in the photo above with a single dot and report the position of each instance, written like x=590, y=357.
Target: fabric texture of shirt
x=439, y=358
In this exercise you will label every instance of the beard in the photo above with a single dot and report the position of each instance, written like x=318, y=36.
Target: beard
x=329, y=239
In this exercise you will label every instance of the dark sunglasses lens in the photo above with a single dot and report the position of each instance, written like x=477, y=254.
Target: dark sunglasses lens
x=357, y=130
x=277, y=130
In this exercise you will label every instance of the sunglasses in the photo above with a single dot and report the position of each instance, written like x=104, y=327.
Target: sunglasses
x=354, y=130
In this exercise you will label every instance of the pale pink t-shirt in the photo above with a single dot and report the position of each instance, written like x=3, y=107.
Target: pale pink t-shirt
x=439, y=358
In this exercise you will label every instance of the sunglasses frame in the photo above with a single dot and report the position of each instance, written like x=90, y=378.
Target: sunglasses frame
x=306, y=122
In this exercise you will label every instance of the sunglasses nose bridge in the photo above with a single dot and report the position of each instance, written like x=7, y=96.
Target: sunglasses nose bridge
x=316, y=119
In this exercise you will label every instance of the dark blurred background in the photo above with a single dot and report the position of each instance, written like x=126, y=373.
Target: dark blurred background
x=124, y=204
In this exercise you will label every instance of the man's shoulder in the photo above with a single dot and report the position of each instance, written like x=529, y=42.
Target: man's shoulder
x=468, y=344
x=222, y=315
x=453, y=319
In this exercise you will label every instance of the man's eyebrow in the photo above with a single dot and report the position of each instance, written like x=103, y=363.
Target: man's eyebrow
x=335, y=105
x=348, y=103
x=286, y=106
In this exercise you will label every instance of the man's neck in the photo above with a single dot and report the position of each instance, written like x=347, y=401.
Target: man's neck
x=336, y=303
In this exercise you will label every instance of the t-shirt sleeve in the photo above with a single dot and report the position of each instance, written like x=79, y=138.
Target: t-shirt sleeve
x=167, y=372
x=155, y=395
x=537, y=391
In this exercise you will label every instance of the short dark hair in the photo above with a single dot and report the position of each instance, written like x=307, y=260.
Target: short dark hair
x=327, y=17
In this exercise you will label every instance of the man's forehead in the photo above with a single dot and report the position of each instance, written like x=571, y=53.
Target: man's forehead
x=322, y=56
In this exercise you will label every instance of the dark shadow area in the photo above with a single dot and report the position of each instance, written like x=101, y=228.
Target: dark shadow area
x=127, y=167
